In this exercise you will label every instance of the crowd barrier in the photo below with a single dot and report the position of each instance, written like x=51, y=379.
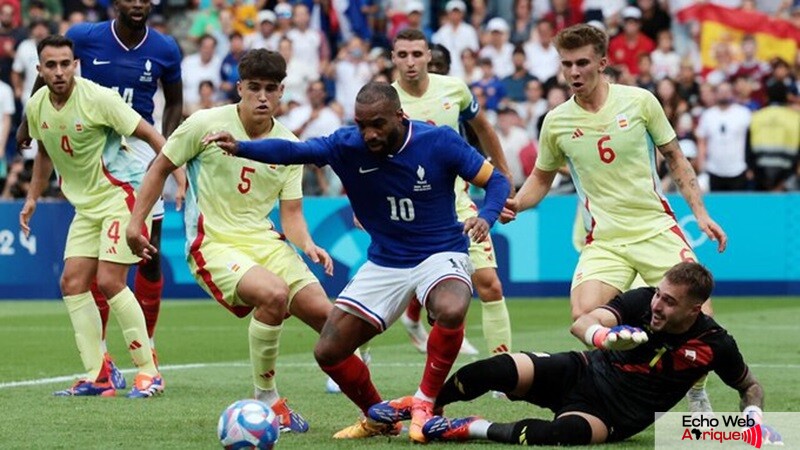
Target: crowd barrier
x=534, y=253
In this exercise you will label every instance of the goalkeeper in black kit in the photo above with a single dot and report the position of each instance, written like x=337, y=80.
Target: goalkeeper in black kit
x=652, y=344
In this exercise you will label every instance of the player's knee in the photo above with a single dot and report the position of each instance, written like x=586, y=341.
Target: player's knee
x=72, y=285
x=565, y=430
x=489, y=288
x=328, y=354
x=270, y=301
x=450, y=314
x=109, y=285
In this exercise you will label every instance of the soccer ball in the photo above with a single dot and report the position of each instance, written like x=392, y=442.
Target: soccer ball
x=248, y=424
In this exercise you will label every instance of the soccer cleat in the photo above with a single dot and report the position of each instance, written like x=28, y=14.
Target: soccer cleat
x=391, y=411
x=444, y=429
x=698, y=401
x=87, y=388
x=145, y=386
x=365, y=428
x=417, y=334
x=289, y=420
x=421, y=413
x=467, y=348
x=114, y=374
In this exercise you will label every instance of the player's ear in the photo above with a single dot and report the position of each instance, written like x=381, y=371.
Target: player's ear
x=239, y=88
x=400, y=114
x=603, y=64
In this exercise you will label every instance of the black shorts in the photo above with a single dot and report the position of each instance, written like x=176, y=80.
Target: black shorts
x=563, y=384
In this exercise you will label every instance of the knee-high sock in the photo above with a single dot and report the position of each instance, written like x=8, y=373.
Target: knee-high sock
x=130, y=318
x=264, y=341
x=498, y=373
x=496, y=326
x=148, y=293
x=701, y=383
x=102, y=306
x=443, y=347
x=352, y=376
x=88, y=331
x=413, y=310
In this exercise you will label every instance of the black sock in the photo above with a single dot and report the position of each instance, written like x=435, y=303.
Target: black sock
x=498, y=373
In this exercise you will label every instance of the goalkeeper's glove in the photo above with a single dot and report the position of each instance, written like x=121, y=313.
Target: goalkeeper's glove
x=769, y=435
x=620, y=337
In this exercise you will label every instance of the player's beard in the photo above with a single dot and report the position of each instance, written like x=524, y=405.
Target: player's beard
x=134, y=24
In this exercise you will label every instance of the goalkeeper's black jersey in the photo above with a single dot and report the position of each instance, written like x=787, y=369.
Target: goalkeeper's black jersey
x=657, y=374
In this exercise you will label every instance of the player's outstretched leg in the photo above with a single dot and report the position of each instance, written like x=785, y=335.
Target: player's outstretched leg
x=362, y=352
x=567, y=429
x=148, y=286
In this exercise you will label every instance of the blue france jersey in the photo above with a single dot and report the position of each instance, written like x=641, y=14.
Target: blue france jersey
x=405, y=201
x=135, y=72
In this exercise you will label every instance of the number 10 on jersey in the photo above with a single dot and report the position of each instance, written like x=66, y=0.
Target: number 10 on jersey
x=401, y=209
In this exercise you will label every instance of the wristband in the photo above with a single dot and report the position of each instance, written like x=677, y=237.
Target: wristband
x=590, y=332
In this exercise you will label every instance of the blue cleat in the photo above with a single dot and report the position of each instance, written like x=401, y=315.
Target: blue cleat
x=86, y=388
x=444, y=429
x=145, y=386
x=114, y=374
x=391, y=411
x=290, y=421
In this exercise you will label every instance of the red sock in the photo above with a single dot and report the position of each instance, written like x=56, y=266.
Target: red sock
x=102, y=305
x=413, y=310
x=148, y=293
x=352, y=376
x=443, y=347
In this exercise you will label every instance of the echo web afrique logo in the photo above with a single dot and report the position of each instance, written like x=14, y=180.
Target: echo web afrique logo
x=704, y=428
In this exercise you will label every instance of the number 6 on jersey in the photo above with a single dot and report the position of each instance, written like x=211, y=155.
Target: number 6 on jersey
x=607, y=155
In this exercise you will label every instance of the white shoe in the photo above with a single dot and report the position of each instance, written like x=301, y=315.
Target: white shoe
x=467, y=348
x=699, y=402
x=499, y=395
x=417, y=334
x=331, y=387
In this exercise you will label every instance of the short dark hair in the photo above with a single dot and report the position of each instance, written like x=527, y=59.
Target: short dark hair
x=376, y=92
x=695, y=277
x=777, y=92
x=262, y=64
x=410, y=34
x=55, y=40
x=581, y=35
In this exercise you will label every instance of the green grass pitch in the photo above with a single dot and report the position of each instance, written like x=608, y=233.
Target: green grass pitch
x=203, y=353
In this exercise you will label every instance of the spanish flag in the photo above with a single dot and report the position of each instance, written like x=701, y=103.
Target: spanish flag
x=774, y=37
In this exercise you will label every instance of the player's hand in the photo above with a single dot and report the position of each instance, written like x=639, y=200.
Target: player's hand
x=357, y=223
x=139, y=245
x=25, y=216
x=319, y=256
x=476, y=228
x=23, y=136
x=509, y=212
x=770, y=436
x=180, y=193
x=224, y=140
x=714, y=232
x=620, y=337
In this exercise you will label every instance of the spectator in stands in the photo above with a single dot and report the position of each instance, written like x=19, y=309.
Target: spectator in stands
x=666, y=62
x=309, y=46
x=207, y=99
x=93, y=11
x=7, y=110
x=456, y=35
x=469, y=60
x=726, y=64
x=229, y=72
x=283, y=12
x=522, y=25
x=624, y=49
x=533, y=107
x=50, y=12
x=561, y=15
x=350, y=71
x=513, y=139
x=687, y=86
x=774, y=141
x=10, y=37
x=743, y=92
x=492, y=86
x=244, y=14
x=265, y=36
x=542, y=57
x=782, y=73
x=515, y=83
x=208, y=21
x=200, y=66
x=556, y=95
x=722, y=138
x=298, y=75
x=414, y=11
x=498, y=49
x=503, y=9
x=674, y=106
x=654, y=18
x=753, y=68
x=24, y=70
x=645, y=78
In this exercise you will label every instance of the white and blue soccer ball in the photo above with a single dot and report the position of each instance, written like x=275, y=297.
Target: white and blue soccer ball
x=248, y=424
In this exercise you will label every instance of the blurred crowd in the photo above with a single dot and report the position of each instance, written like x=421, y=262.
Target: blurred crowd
x=739, y=124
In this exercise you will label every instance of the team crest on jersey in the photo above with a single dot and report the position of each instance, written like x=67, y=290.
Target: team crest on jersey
x=446, y=104
x=622, y=121
x=233, y=266
x=422, y=184
x=78, y=125
x=147, y=76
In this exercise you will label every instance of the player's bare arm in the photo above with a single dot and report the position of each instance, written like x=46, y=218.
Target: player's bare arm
x=173, y=109
x=750, y=392
x=686, y=180
x=536, y=186
x=152, y=186
x=491, y=144
x=497, y=188
x=296, y=230
x=42, y=168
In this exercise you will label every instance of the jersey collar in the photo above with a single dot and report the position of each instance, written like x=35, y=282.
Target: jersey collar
x=119, y=41
x=408, y=137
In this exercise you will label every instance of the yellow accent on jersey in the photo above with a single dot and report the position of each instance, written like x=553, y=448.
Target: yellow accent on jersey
x=234, y=195
x=611, y=155
x=83, y=141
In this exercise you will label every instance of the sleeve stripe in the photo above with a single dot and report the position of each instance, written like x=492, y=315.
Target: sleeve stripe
x=482, y=177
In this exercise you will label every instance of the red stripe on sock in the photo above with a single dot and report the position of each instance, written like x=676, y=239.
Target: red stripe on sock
x=102, y=305
x=443, y=347
x=352, y=376
x=148, y=294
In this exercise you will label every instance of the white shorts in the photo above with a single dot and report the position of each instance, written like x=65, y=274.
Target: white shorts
x=144, y=153
x=379, y=295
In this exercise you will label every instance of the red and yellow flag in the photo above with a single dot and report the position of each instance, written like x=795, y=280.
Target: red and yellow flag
x=774, y=37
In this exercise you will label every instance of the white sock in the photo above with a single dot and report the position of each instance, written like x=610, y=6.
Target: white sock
x=422, y=396
x=268, y=396
x=479, y=429
x=152, y=343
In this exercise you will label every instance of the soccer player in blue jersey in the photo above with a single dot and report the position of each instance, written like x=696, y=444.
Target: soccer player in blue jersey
x=402, y=193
